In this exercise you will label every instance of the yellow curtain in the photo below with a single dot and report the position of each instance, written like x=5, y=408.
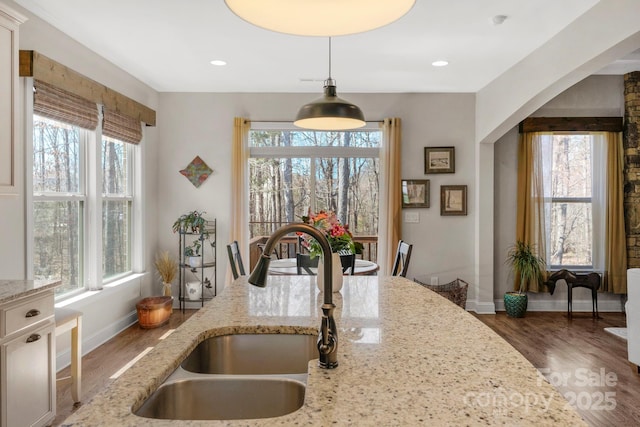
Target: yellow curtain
x=530, y=222
x=390, y=230
x=239, y=224
x=615, y=276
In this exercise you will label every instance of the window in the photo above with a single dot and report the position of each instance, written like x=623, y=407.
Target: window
x=83, y=200
x=117, y=200
x=575, y=218
x=292, y=171
x=59, y=201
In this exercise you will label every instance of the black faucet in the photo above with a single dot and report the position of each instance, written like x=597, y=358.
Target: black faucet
x=328, y=337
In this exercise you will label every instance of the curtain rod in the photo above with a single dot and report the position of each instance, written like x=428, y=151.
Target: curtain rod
x=291, y=121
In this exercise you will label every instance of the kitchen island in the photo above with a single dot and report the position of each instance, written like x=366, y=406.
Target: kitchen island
x=407, y=356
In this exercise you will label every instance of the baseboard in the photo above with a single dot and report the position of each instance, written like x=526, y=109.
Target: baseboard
x=63, y=359
x=578, y=306
x=481, y=307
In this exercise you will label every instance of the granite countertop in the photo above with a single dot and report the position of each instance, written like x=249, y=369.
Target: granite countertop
x=14, y=289
x=407, y=356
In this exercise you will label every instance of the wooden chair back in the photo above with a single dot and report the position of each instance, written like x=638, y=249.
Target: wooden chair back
x=304, y=264
x=235, y=259
x=401, y=263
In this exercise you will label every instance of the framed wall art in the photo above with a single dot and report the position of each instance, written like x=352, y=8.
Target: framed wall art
x=453, y=200
x=439, y=160
x=415, y=193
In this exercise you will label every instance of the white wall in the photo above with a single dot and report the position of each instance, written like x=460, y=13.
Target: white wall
x=202, y=124
x=594, y=96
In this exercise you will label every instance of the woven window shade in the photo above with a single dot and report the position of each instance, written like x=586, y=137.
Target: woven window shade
x=121, y=127
x=58, y=104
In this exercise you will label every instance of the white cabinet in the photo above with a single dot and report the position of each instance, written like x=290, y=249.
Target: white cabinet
x=27, y=361
x=9, y=22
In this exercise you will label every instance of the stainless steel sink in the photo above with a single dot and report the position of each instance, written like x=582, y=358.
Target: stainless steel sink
x=224, y=398
x=253, y=354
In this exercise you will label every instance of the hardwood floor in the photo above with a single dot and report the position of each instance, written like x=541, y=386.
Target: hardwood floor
x=102, y=363
x=579, y=357
x=586, y=364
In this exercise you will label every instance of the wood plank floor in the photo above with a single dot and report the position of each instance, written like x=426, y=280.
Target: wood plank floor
x=102, y=363
x=573, y=351
x=586, y=364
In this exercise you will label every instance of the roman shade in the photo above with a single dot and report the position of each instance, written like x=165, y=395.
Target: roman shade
x=121, y=127
x=58, y=104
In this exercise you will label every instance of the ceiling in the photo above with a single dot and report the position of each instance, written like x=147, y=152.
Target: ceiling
x=169, y=45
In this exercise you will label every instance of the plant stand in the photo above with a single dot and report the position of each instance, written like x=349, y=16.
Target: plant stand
x=205, y=272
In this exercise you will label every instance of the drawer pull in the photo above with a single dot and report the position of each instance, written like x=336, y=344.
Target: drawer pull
x=32, y=313
x=33, y=338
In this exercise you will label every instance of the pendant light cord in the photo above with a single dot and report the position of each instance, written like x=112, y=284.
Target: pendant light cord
x=330, y=58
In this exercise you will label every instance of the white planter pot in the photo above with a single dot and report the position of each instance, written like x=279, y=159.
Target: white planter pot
x=193, y=290
x=195, y=261
x=336, y=273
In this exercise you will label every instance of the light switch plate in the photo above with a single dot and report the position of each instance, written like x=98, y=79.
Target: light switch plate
x=412, y=217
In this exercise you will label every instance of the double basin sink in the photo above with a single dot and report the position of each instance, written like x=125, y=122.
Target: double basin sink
x=239, y=376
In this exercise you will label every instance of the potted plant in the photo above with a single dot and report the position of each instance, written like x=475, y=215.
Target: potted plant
x=529, y=267
x=167, y=269
x=193, y=223
x=192, y=252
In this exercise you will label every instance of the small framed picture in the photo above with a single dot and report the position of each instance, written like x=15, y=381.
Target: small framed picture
x=415, y=193
x=439, y=160
x=453, y=200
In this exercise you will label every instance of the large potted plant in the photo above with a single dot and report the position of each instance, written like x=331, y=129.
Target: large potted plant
x=529, y=268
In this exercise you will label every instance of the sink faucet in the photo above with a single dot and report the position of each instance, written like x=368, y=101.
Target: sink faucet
x=328, y=337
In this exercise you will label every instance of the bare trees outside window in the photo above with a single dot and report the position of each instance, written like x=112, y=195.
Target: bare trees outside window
x=292, y=171
x=571, y=225
x=58, y=203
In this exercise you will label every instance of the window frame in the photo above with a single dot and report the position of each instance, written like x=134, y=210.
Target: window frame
x=582, y=199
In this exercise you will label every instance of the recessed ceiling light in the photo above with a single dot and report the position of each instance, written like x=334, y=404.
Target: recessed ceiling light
x=440, y=63
x=498, y=19
x=218, y=62
x=316, y=18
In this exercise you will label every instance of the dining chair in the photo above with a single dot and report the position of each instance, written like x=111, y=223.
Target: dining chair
x=237, y=268
x=401, y=263
x=274, y=253
x=348, y=264
x=305, y=263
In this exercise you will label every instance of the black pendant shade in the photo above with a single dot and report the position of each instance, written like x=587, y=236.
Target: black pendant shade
x=330, y=112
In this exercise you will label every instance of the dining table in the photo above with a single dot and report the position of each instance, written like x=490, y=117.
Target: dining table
x=288, y=267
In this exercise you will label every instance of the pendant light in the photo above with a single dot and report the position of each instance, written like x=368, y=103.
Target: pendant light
x=330, y=112
x=317, y=17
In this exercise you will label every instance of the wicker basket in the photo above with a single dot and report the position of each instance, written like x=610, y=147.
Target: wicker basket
x=455, y=291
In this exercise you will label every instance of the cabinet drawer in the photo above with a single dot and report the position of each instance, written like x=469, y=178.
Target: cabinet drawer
x=25, y=312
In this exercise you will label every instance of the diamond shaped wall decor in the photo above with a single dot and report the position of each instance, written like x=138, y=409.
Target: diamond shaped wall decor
x=197, y=171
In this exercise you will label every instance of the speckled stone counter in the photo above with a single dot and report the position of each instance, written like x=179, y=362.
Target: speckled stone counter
x=407, y=356
x=14, y=289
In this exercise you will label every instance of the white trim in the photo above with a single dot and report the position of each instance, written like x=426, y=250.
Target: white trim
x=578, y=306
x=27, y=121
